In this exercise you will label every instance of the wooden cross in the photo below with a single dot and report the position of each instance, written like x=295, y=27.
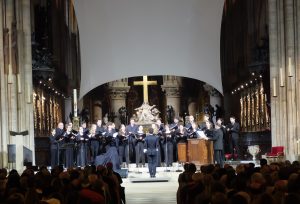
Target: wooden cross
x=145, y=83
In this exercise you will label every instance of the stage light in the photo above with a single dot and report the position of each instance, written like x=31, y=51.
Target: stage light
x=253, y=73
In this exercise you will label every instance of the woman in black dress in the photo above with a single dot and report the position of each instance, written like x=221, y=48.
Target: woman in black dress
x=53, y=148
x=82, y=148
x=111, y=154
x=120, y=142
x=168, y=146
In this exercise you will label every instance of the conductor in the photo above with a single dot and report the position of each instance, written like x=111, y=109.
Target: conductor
x=151, y=148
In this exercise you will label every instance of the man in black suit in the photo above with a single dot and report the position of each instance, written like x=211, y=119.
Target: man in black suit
x=151, y=148
x=234, y=130
x=218, y=145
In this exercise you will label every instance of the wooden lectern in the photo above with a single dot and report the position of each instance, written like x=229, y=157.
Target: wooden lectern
x=200, y=152
x=182, y=152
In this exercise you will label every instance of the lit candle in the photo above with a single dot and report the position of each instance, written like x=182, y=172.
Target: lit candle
x=290, y=67
x=274, y=87
x=282, y=77
x=75, y=102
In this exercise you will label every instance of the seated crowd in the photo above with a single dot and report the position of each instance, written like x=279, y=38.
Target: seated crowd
x=277, y=183
x=89, y=185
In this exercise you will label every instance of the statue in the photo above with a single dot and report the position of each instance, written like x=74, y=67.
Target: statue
x=170, y=113
x=147, y=114
x=123, y=115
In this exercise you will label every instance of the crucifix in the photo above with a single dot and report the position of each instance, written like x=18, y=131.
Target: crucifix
x=145, y=83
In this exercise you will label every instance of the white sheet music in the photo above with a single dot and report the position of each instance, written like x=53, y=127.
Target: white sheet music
x=201, y=135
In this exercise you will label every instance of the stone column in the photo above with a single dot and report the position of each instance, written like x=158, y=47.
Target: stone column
x=117, y=92
x=284, y=54
x=172, y=87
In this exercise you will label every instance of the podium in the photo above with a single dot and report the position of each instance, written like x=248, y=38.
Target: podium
x=182, y=152
x=200, y=152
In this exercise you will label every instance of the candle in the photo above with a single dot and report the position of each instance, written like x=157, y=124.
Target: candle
x=9, y=77
x=29, y=93
x=290, y=67
x=282, y=77
x=274, y=87
x=75, y=102
x=19, y=83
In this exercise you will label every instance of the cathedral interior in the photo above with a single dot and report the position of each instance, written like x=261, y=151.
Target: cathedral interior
x=43, y=68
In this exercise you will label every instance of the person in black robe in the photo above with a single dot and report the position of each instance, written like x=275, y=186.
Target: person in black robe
x=111, y=155
x=218, y=145
x=234, y=130
x=94, y=143
x=192, y=131
x=160, y=154
x=59, y=137
x=180, y=136
x=173, y=128
x=82, y=148
x=151, y=148
x=53, y=149
x=131, y=131
x=168, y=146
x=120, y=140
x=139, y=146
x=69, y=144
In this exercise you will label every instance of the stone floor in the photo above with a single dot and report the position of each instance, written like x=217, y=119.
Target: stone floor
x=151, y=192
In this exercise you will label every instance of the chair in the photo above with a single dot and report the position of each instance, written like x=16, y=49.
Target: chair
x=277, y=153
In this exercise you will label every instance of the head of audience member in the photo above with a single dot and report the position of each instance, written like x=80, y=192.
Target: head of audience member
x=263, y=162
x=99, y=123
x=232, y=119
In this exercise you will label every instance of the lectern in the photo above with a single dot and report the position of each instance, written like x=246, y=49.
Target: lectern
x=200, y=152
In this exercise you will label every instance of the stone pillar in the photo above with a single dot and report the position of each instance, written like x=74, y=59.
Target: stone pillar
x=16, y=87
x=284, y=38
x=172, y=87
x=117, y=92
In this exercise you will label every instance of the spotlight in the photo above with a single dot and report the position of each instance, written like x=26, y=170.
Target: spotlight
x=246, y=84
x=232, y=92
x=40, y=81
x=49, y=87
x=49, y=79
x=260, y=76
x=242, y=87
x=250, y=82
x=253, y=73
x=238, y=89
